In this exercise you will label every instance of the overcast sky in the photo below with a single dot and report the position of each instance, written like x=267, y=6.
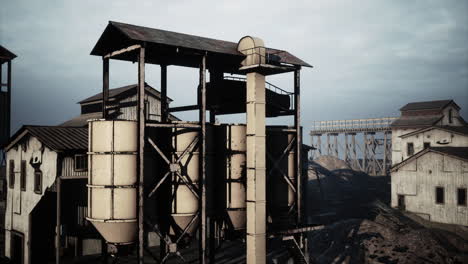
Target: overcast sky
x=370, y=57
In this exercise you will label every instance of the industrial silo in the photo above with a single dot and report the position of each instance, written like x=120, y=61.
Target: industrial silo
x=185, y=156
x=231, y=172
x=281, y=179
x=112, y=179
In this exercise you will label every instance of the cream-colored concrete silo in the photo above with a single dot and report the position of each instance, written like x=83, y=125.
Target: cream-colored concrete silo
x=112, y=179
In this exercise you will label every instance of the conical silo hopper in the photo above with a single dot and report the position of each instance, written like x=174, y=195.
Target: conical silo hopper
x=185, y=144
x=112, y=179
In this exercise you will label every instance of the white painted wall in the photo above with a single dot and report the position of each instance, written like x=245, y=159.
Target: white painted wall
x=455, y=117
x=397, y=148
x=436, y=137
x=21, y=203
x=418, y=179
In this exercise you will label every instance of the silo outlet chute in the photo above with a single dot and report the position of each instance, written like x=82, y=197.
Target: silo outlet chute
x=112, y=193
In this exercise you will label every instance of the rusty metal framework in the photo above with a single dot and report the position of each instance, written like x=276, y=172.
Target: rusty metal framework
x=217, y=57
x=364, y=144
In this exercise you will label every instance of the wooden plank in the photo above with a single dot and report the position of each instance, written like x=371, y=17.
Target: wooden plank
x=141, y=152
x=298, y=158
x=202, y=119
x=183, y=108
x=105, y=86
x=164, y=105
x=118, y=52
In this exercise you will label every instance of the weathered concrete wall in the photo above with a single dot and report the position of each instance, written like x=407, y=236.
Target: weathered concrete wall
x=455, y=117
x=418, y=179
x=436, y=138
x=397, y=147
x=21, y=203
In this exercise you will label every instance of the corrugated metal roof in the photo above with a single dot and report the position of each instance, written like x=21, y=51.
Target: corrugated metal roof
x=118, y=91
x=428, y=105
x=416, y=121
x=166, y=47
x=55, y=137
x=6, y=55
x=81, y=120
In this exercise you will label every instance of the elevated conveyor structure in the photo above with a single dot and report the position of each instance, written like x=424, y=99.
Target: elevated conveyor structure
x=364, y=144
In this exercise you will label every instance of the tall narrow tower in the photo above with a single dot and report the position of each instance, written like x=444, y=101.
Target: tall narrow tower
x=254, y=48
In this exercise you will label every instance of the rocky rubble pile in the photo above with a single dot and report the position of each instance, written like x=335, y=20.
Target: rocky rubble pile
x=389, y=237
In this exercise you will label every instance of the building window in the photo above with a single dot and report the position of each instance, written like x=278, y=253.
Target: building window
x=450, y=117
x=23, y=175
x=427, y=145
x=81, y=162
x=461, y=196
x=38, y=181
x=440, y=195
x=11, y=174
x=410, y=149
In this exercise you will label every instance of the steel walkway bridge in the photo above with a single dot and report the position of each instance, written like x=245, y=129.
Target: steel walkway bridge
x=364, y=144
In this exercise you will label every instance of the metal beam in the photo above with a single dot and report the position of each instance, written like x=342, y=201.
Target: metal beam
x=141, y=151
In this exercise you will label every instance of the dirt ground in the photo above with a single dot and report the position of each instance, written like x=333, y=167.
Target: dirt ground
x=360, y=227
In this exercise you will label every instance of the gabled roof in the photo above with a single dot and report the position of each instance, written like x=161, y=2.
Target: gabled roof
x=54, y=137
x=115, y=92
x=172, y=48
x=6, y=55
x=428, y=105
x=455, y=152
x=417, y=121
x=461, y=130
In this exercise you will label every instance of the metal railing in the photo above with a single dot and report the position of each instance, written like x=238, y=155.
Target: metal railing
x=266, y=55
x=268, y=86
x=353, y=124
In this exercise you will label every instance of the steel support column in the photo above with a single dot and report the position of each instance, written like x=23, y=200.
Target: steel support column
x=141, y=151
x=346, y=154
x=202, y=119
x=297, y=125
x=335, y=143
x=366, y=154
x=385, y=171
x=319, y=144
